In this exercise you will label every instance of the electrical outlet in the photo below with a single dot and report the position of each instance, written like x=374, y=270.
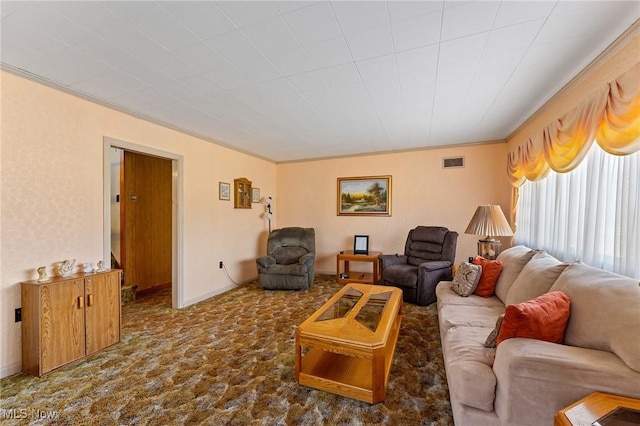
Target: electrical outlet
x=18, y=314
x=221, y=264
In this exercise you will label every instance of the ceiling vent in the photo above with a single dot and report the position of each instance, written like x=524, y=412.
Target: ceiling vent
x=452, y=162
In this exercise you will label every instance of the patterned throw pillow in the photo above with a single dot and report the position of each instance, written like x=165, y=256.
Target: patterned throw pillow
x=492, y=339
x=466, y=279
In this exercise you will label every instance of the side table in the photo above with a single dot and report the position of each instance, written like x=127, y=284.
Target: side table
x=590, y=408
x=358, y=277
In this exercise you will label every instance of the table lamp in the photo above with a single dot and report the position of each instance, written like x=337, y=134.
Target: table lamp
x=490, y=221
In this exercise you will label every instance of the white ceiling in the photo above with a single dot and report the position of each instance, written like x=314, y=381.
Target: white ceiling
x=290, y=80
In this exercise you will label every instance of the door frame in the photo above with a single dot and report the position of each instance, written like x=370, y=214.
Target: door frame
x=177, y=214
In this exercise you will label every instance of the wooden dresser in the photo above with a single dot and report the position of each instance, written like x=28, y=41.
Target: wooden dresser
x=65, y=319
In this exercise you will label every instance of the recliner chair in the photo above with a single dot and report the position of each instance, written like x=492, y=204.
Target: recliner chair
x=289, y=264
x=429, y=254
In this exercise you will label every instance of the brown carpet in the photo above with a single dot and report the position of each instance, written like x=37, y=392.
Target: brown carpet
x=228, y=360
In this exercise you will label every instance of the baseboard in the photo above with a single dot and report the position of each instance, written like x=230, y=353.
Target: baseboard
x=208, y=295
x=10, y=370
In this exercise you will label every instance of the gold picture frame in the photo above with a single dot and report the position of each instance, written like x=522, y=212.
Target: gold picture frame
x=224, y=191
x=364, y=196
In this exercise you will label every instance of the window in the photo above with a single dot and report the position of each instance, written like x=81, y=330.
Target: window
x=590, y=214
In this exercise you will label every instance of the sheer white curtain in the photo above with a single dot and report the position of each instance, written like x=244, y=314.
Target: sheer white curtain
x=590, y=214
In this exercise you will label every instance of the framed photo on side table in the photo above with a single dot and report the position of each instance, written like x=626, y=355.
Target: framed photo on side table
x=361, y=244
x=224, y=190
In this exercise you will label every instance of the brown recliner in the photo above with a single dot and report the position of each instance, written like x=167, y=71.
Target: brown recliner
x=289, y=263
x=429, y=254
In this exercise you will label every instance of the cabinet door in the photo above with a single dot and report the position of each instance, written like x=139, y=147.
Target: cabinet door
x=62, y=337
x=102, y=311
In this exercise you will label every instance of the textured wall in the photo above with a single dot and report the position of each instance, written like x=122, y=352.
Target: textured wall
x=423, y=193
x=52, y=196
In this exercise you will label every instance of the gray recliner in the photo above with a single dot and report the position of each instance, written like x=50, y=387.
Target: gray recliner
x=289, y=264
x=429, y=254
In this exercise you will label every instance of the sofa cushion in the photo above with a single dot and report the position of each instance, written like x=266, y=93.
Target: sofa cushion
x=536, y=278
x=470, y=375
x=491, y=270
x=514, y=259
x=468, y=316
x=446, y=296
x=288, y=255
x=466, y=279
x=605, y=311
x=543, y=318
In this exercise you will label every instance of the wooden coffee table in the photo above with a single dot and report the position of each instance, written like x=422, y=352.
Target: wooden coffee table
x=346, y=347
x=591, y=408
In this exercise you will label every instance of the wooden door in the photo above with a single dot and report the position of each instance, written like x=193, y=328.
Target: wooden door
x=147, y=231
x=62, y=324
x=102, y=300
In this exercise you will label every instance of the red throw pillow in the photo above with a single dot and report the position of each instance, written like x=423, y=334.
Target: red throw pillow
x=490, y=272
x=543, y=318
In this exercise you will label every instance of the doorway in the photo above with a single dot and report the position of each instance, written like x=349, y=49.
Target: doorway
x=142, y=226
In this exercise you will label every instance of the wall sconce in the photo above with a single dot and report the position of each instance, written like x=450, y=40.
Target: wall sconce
x=268, y=214
x=490, y=221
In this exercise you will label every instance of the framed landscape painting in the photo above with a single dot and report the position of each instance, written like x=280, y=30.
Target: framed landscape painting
x=364, y=196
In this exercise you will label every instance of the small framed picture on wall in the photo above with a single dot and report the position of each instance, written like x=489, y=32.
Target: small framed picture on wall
x=224, y=190
x=255, y=195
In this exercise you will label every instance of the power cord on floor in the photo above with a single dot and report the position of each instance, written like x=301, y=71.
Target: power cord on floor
x=224, y=268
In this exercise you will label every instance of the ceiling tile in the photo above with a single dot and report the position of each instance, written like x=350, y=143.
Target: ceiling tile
x=244, y=13
x=314, y=23
x=341, y=75
x=204, y=18
x=355, y=17
x=202, y=56
x=154, y=21
x=415, y=32
x=415, y=59
x=235, y=45
x=515, y=12
x=258, y=70
x=468, y=18
x=295, y=61
x=329, y=53
x=382, y=66
x=308, y=81
x=518, y=36
x=459, y=49
x=291, y=5
x=401, y=10
x=272, y=36
x=370, y=43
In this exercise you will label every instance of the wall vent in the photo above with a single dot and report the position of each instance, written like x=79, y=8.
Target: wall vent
x=452, y=162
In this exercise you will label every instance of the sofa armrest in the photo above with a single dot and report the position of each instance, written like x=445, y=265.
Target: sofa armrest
x=392, y=259
x=549, y=376
x=265, y=262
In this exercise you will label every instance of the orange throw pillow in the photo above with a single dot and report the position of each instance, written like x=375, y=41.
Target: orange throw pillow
x=543, y=318
x=490, y=272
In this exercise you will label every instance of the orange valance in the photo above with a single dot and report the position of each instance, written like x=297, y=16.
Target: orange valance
x=611, y=117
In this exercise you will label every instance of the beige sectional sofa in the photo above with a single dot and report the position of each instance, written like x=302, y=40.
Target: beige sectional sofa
x=525, y=381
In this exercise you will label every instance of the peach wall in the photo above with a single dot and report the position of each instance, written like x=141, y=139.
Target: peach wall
x=423, y=193
x=52, y=204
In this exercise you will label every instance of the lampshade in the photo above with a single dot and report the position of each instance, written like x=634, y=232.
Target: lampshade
x=490, y=221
